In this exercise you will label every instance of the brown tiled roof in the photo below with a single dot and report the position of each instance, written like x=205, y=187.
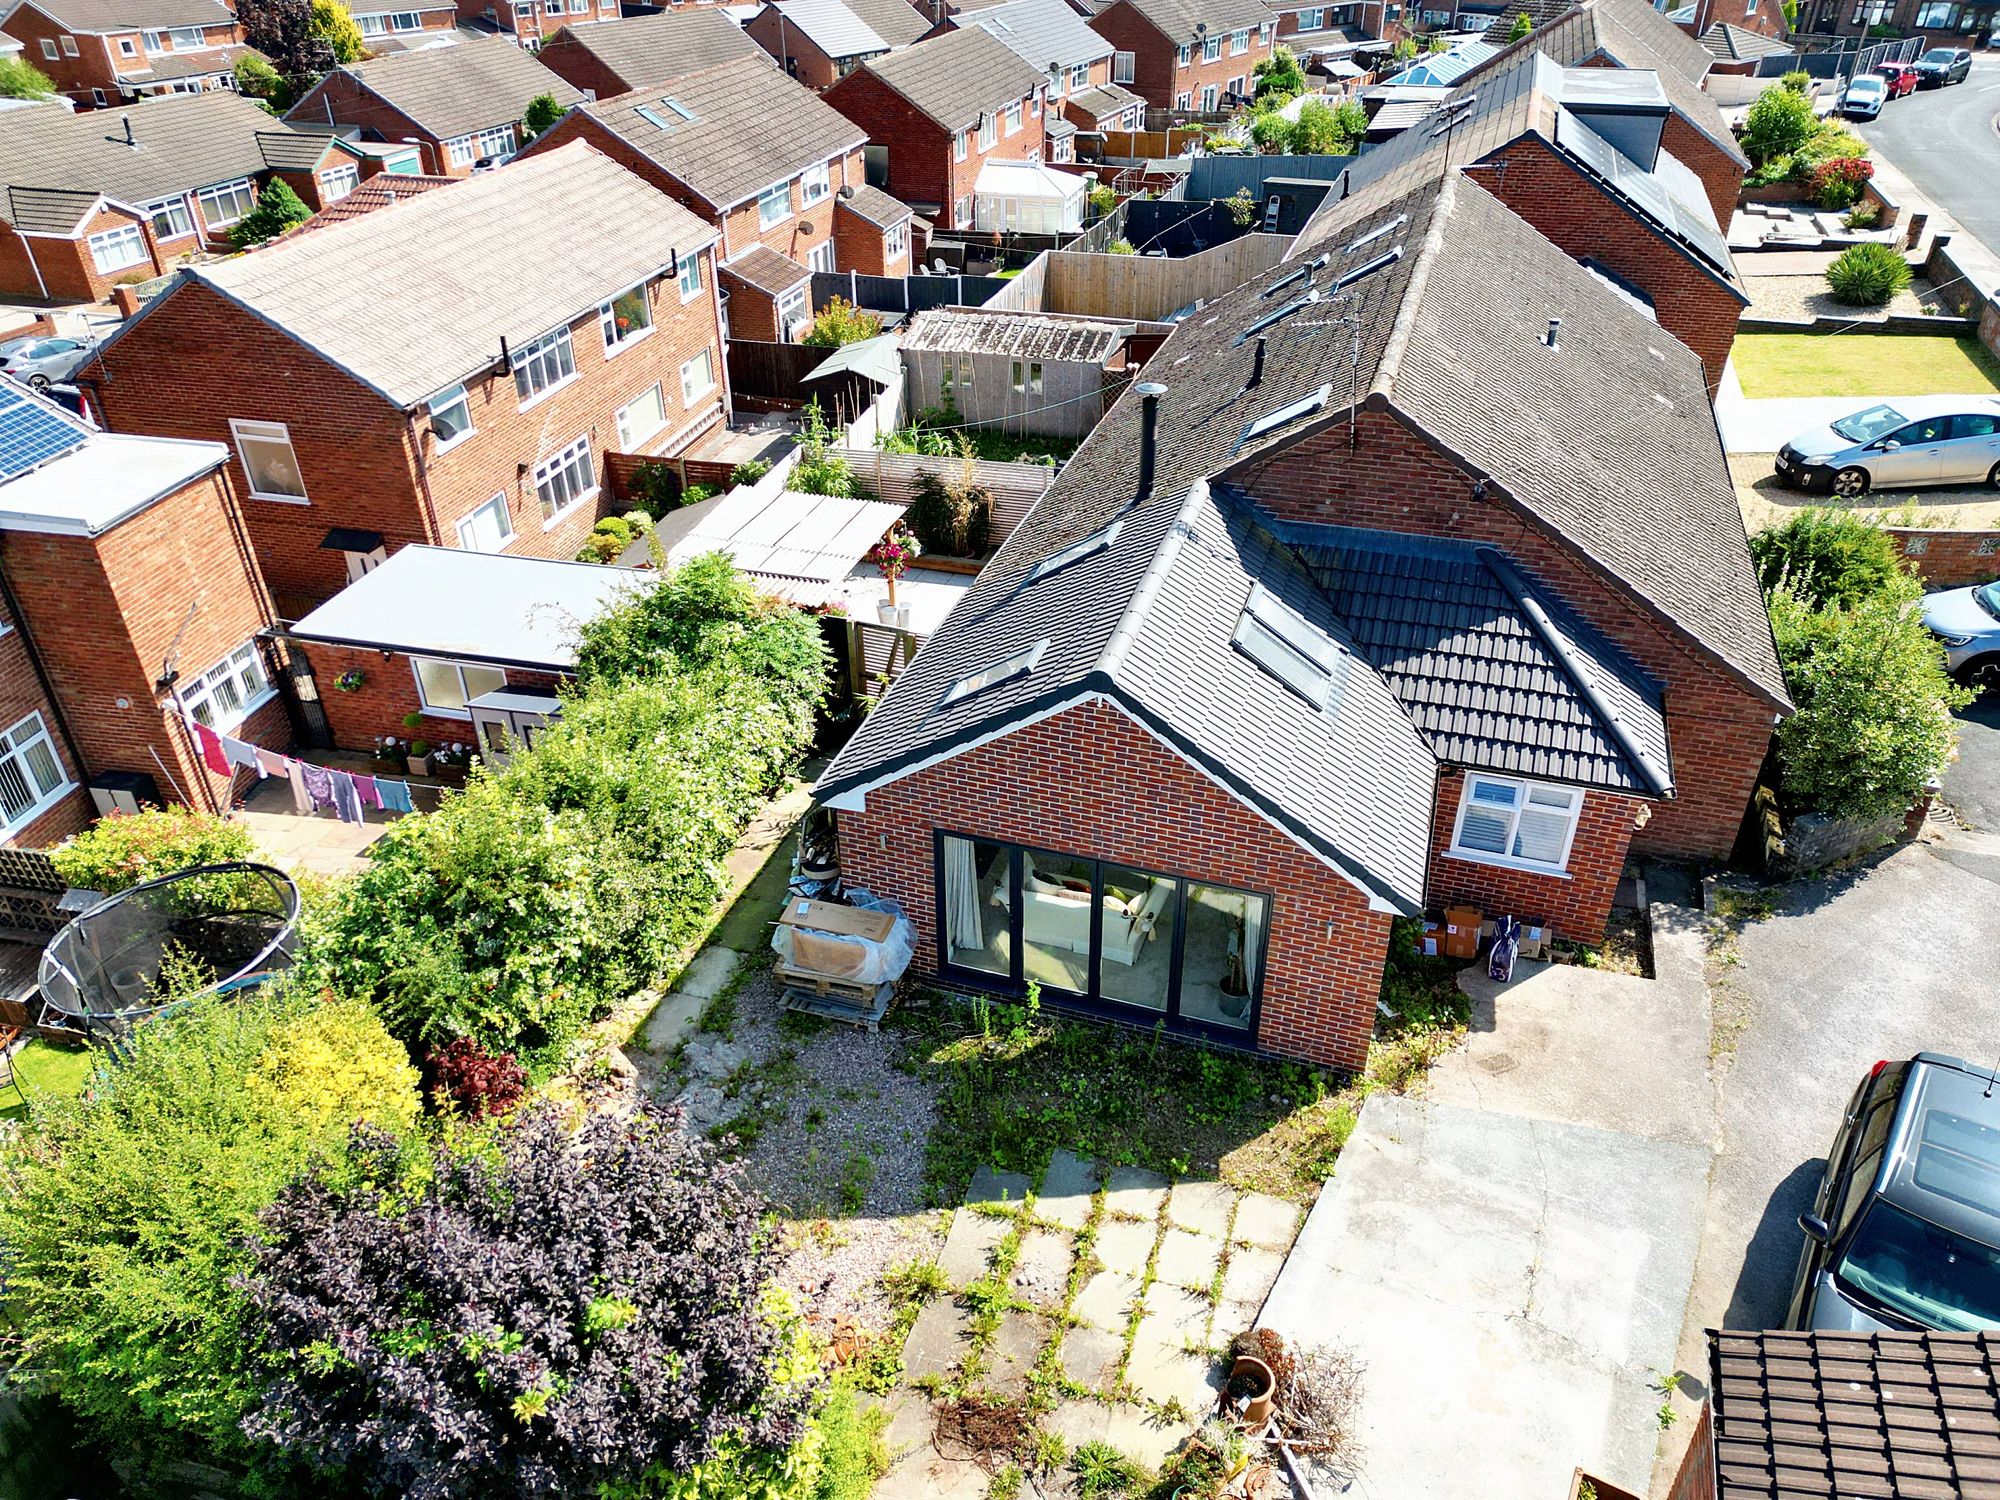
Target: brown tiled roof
x=1023, y=334
x=956, y=77
x=645, y=50
x=288, y=150
x=765, y=270
x=453, y=91
x=874, y=206
x=384, y=191
x=49, y=210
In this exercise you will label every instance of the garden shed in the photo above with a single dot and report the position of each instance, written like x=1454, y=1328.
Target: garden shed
x=1024, y=372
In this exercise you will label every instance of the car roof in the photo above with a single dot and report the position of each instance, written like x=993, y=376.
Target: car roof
x=1942, y=1161
x=1916, y=408
x=1865, y=81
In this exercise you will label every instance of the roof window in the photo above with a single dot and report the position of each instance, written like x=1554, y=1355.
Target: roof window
x=1075, y=552
x=679, y=112
x=1360, y=273
x=1450, y=115
x=1020, y=664
x=1290, y=648
x=1278, y=315
x=1375, y=234
x=1271, y=421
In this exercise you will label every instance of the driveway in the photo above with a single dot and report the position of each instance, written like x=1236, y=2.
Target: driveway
x=1944, y=142
x=1972, y=782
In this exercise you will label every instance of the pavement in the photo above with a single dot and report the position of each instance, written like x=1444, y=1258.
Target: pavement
x=1944, y=141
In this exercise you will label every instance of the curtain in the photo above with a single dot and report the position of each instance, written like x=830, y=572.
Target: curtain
x=961, y=896
x=1253, y=939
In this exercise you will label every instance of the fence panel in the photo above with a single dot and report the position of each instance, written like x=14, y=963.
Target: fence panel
x=774, y=371
x=904, y=294
x=877, y=654
x=1015, y=487
x=1143, y=286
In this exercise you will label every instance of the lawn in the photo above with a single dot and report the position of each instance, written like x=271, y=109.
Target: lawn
x=44, y=1070
x=1863, y=364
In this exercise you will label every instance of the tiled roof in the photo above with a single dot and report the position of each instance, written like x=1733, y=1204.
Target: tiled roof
x=1028, y=335
x=98, y=16
x=165, y=66
x=455, y=90
x=1046, y=33
x=1103, y=99
x=897, y=22
x=874, y=205
x=766, y=270
x=181, y=142
x=49, y=210
x=348, y=291
x=289, y=150
x=1178, y=19
x=751, y=126
x=956, y=77
x=830, y=26
x=383, y=191
x=1733, y=42
x=644, y=50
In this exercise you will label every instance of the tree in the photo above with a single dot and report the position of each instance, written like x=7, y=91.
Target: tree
x=1321, y=130
x=1827, y=557
x=1279, y=76
x=257, y=79
x=1778, y=124
x=283, y=31
x=278, y=209
x=1523, y=26
x=542, y=112
x=841, y=322
x=21, y=79
x=553, y=1314
x=336, y=29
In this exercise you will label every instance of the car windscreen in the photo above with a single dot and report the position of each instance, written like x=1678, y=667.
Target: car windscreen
x=1937, y=55
x=1988, y=597
x=1918, y=1271
x=1868, y=85
x=1865, y=426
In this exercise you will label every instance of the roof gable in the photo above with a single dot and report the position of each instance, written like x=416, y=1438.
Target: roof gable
x=955, y=77
x=449, y=91
x=645, y=50
x=897, y=22
x=1183, y=21
x=1045, y=33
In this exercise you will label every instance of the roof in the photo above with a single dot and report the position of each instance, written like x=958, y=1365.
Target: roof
x=471, y=606
x=877, y=358
x=99, y=16
x=1732, y=42
x=1178, y=19
x=181, y=142
x=830, y=26
x=294, y=150
x=956, y=77
x=451, y=91
x=56, y=211
x=1027, y=335
x=751, y=126
x=1046, y=33
x=162, y=67
x=68, y=479
x=766, y=270
x=897, y=22
x=1815, y=1416
x=798, y=547
x=383, y=191
x=457, y=255
x=1104, y=99
x=1446, y=67
x=874, y=205
x=645, y=50
x=1028, y=179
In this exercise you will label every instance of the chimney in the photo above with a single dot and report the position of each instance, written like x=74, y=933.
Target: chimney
x=1150, y=392
x=1257, y=366
x=1549, y=338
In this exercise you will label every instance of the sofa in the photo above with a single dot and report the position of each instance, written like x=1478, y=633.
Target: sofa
x=1057, y=915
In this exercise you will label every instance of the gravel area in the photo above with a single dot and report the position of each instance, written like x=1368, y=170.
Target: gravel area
x=1800, y=299
x=1767, y=503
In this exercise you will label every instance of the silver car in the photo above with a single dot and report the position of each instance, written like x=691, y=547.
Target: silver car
x=1918, y=440
x=43, y=361
x=1967, y=624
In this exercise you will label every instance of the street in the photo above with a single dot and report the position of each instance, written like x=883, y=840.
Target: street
x=1944, y=141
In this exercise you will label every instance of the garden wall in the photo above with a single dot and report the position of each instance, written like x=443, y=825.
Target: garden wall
x=1950, y=559
x=1144, y=286
x=1967, y=270
x=1015, y=487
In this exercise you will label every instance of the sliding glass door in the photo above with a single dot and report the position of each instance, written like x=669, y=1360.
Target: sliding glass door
x=1136, y=944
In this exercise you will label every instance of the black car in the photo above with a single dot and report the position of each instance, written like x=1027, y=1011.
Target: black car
x=1905, y=1232
x=1943, y=65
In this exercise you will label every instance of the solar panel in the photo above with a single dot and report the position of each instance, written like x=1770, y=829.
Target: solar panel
x=1642, y=190
x=31, y=434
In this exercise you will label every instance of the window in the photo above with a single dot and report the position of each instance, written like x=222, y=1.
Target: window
x=1974, y=427
x=336, y=183
x=565, y=481
x=401, y=20
x=1079, y=78
x=1055, y=82
x=1311, y=20
x=1075, y=552
x=1211, y=49
x=1035, y=104
x=1121, y=67
x=960, y=144
x=1184, y=57
x=1210, y=97
x=1020, y=664
x=488, y=529
x=97, y=98
x=115, y=249
x=1290, y=649
x=226, y=694
x=445, y=687
x=820, y=257
x=170, y=218
x=1235, y=87
x=624, y=318
x=896, y=240
x=451, y=417
x=69, y=46
x=31, y=778
x=1184, y=101
x=697, y=377
x=49, y=53
x=690, y=277
x=543, y=365
x=1264, y=31
x=989, y=131
x=1013, y=119
x=961, y=213
x=815, y=184
x=1028, y=377
x=470, y=150
x=579, y=7
x=554, y=7
x=226, y=202
x=175, y=39
x=793, y=311
x=641, y=418
x=1239, y=43
x=269, y=462
x=1519, y=822
x=127, y=47
x=774, y=205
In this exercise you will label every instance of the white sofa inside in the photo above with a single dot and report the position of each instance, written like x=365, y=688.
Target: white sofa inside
x=1057, y=915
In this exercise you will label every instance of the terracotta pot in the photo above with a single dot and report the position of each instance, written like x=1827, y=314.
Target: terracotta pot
x=1251, y=1373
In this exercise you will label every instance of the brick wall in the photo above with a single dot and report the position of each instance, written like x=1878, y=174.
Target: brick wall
x=753, y=312
x=1718, y=728
x=1950, y=559
x=1157, y=75
x=20, y=695
x=94, y=67
x=921, y=168
x=388, y=691
x=39, y=268
x=861, y=245
x=795, y=51
x=340, y=99
x=1089, y=781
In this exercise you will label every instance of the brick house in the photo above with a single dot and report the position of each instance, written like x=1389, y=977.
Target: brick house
x=1306, y=26
x=532, y=23
x=414, y=24
x=937, y=112
x=1946, y=23
x=819, y=42
x=875, y=234
x=356, y=428
x=1077, y=62
x=462, y=102
x=131, y=595
x=608, y=58
x=1738, y=49
x=1188, y=54
x=98, y=53
x=1272, y=665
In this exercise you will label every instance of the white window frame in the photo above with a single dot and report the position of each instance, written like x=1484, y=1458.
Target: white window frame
x=794, y=309
x=176, y=39
x=896, y=240
x=564, y=466
x=267, y=432
x=537, y=360
x=15, y=746
x=689, y=279
x=337, y=182
x=242, y=673
x=769, y=200
x=241, y=195
x=1211, y=49
x=1122, y=65
x=465, y=693
x=815, y=183
x=607, y=322
x=501, y=523
x=1311, y=20
x=69, y=46
x=1211, y=97
x=127, y=47
x=1239, y=42
x=1079, y=78
x=442, y=403
x=961, y=144
x=689, y=393
x=821, y=257
x=1264, y=33
x=1028, y=377
x=1524, y=790
x=961, y=213
x=630, y=441
x=124, y=239
x=1012, y=123
x=989, y=131
x=49, y=50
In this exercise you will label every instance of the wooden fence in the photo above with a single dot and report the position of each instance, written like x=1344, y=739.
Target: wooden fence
x=876, y=655
x=1149, y=145
x=775, y=372
x=1144, y=286
x=1015, y=487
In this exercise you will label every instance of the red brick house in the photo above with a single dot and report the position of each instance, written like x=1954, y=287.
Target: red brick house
x=98, y=53
x=414, y=24
x=937, y=112
x=1273, y=664
x=1077, y=62
x=532, y=23
x=357, y=427
x=819, y=42
x=607, y=58
x=462, y=102
x=1188, y=54
x=1738, y=47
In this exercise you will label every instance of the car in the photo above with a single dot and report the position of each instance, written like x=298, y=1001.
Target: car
x=41, y=361
x=1864, y=97
x=1904, y=1233
x=1967, y=624
x=1920, y=440
x=1901, y=78
x=1943, y=65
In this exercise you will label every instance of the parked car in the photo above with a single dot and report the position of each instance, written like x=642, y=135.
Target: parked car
x=1918, y=441
x=42, y=361
x=1864, y=97
x=1967, y=624
x=1943, y=65
x=1900, y=76
x=1905, y=1230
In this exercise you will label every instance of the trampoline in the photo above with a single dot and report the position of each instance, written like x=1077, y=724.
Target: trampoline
x=213, y=929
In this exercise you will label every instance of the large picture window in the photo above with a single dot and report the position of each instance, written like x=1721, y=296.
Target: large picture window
x=117, y=249
x=31, y=778
x=445, y=687
x=544, y=364
x=228, y=692
x=226, y=202
x=1527, y=823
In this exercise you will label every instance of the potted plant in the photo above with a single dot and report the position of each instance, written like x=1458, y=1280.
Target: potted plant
x=351, y=680
x=419, y=750
x=893, y=556
x=388, y=753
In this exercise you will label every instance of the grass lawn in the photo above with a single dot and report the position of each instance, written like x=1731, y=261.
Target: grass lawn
x=1863, y=364
x=44, y=1070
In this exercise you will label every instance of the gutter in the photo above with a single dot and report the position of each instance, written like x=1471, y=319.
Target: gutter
x=438, y=653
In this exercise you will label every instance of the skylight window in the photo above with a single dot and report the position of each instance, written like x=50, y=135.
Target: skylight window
x=1271, y=421
x=676, y=113
x=1375, y=234
x=1020, y=664
x=1292, y=278
x=1379, y=263
x=1075, y=552
x=1278, y=315
x=1291, y=649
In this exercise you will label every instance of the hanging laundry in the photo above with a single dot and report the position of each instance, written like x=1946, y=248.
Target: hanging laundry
x=295, y=773
x=365, y=786
x=346, y=799
x=211, y=750
x=319, y=783
x=242, y=754
x=270, y=763
x=395, y=795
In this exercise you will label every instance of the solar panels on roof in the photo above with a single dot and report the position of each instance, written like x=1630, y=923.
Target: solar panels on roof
x=1641, y=189
x=32, y=434
x=1291, y=649
x=1271, y=421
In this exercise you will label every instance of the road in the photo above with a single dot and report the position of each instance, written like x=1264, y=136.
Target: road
x=1945, y=142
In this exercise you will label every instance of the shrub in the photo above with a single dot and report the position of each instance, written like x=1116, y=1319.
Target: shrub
x=1829, y=139
x=127, y=1211
x=612, y=535
x=750, y=471
x=952, y=515
x=335, y=28
x=1798, y=81
x=841, y=322
x=821, y=471
x=1120, y=247
x=543, y=1318
x=1867, y=275
x=1102, y=199
x=1828, y=557
x=694, y=494
x=1779, y=123
x=21, y=79
x=1863, y=216
x=464, y=1076
x=1524, y=25
x=278, y=209
x=1321, y=130
x=1278, y=77
x=126, y=849
x=1837, y=183
x=257, y=79
x=654, y=488
x=541, y=113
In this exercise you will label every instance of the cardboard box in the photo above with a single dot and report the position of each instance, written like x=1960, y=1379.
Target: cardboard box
x=1461, y=931
x=1536, y=940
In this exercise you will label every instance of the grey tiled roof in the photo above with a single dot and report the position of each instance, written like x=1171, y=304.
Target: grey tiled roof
x=452, y=91
x=1029, y=335
x=1177, y=19
x=830, y=26
x=1733, y=42
x=956, y=77
x=752, y=126
x=765, y=269
x=897, y=22
x=1103, y=99
x=1046, y=33
x=874, y=205
x=49, y=210
x=97, y=16
x=646, y=50
x=288, y=150
x=164, y=66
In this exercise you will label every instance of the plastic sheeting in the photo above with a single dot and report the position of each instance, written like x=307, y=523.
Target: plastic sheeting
x=856, y=959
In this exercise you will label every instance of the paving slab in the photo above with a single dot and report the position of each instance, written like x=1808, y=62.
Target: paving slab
x=1166, y=1373
x=1041, y=1270
x=910, y=1422
x=1251, y=1275
x=1125, y=1247
x=1134, y=1192
x=672, y=1020
x=937, y=1341
x=1174, y=1316
x=1017, y=1344
x=1106, y=1301
x=996, y=1189
x=1232, y=1318
x=1068, y=1188
x=926, y=1476
x=968, y=1248
x=1090, y=1356
x=1188, y=1259
x=1264, y=1220
x=1204, y=1207
x=1130, y=1428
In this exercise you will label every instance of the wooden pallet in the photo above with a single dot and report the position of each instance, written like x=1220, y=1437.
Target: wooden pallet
x=854, y=1011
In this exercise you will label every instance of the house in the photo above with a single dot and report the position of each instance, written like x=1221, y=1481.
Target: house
x=821, y=41
x=1188, y=54
x=100, y=196
x=130, y=601
x=1941, y=24
x=1310, y=27
x=1315, y=636
x=98, y=54
x=938, y=112
x=443, y=370
x=1077, y=62
x=415, y=24
x=1738, y=49
x=1022, y=372
x=463, y=103
x=533, y=23
x=873, y=233
x=607, y=58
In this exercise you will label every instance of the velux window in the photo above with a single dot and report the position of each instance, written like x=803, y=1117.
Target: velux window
x=1511, y=821
x=1291, y=649
x=1005, y=670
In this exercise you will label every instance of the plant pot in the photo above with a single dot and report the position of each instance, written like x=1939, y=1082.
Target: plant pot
x=886, y=612
x=1233, y=1005
x=1251, y=1381
x=902, y=617
x=420, y=765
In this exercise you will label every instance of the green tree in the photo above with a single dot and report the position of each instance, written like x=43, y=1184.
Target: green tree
x=1798, y=81
x=1523, y=26
x=1828, y=557
x=1778, y=124
x=1322, y=130
x=1279, y=76
x=21, y=79
x=542, y=112
x=278, y=209
x=1405, y=49
x=334, y=25
x=841, y=322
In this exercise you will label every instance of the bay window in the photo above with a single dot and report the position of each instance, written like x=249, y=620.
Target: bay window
x=1504, y=820
x=117, y=249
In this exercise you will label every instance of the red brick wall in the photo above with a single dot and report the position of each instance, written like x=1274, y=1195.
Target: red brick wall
x=1950, y=559
x=921, y=169
x=67, y=271
x=94, y=66
x=860, y=245
x=753, y=313
x=1144, y=805
x=572, y=60
x=388, y=691
x=794, y=51
x=1718, y=729
x=20, y=695
x=340, y=99
x=1577, y=907
x=1157, y=76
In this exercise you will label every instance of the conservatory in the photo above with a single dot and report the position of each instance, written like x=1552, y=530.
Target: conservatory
x=1025, y=197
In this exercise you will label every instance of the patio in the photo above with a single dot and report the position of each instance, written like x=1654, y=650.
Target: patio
x=319, y=843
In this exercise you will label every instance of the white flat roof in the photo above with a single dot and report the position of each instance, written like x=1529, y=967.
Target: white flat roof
x=471, y=606
x=799, y=547
x=111, y=478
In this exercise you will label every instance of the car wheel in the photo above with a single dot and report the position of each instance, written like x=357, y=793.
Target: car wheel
x=39, y=381
x=1993, y=477
x=1851, y=483
x=1982, y=675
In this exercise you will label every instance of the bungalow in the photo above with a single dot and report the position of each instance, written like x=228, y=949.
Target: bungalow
x=1024, y=372
x=357, y=427
x=606, y=58
x=99, y=55
x=532, y=23
x=819, y=42
x=1304, y=641
x=1188, y=54
x=463, y=103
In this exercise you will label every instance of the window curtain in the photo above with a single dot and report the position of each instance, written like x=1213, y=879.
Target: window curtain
x=961, y=896
x=1253, y=939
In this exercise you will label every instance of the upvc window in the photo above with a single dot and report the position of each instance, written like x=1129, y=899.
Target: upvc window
x=1211, y=49
x=690, y=277
x=1211, y=96
x=815, y=184
x=989, y=130
x=1239, y=43
x=1264, y=32
x=464, y=151
x=451, y=417
x=488, y=529
x=565, y=480
x=961, y=213
x=1121, y=67
x=554, y=7
x=543, y=365
x=269, y=462
x=31, y=778
x=792, y=311
x=896, y=240
x=697, y=377
x=1311, y=20
x=230, y=691
x=49, y=52
x=641, y=418
x=69, y=46
x=115, y=249
x=175, y=39
x=336, y=183
x=127, y=47
x=445, y=687
x=774, y=205
x=226, y=202
x=579, y=7
x=1056, y=76
x=627, y=316
x=1013, y=119
x=1508, y=821
x=1079, y=78
x=960, y=145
